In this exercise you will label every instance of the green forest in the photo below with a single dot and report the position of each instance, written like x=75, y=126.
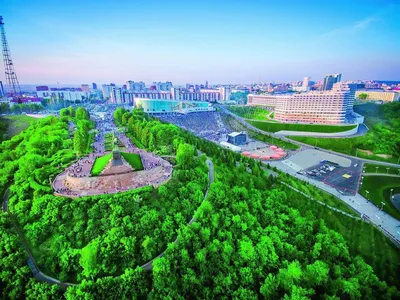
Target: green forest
x=253, y=237
x=382, y=141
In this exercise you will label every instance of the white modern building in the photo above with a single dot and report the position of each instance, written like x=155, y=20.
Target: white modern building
x=67, y=94
x=154, y=106
x=334, y=106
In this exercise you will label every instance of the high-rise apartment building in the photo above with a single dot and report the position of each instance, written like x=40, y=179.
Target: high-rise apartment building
x=306, y=81
x=330, y=80
x=107, y=89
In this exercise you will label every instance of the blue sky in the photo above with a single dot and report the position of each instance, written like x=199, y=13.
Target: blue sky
x=193, y=41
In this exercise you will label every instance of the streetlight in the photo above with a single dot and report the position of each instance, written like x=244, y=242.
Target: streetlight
x=383, y=203
x=363, y=169
x=398, y=170
x=376, y=169
x=387, y=170
x=391, y=192
x=367, y=193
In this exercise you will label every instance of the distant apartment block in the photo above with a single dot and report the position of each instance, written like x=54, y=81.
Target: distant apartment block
x=136, y=86
x=385, y=96
x=262, y=100
x=68, y=94
x=330, y=80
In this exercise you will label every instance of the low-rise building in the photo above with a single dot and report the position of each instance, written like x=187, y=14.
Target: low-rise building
x=155, y=106
x=386, y=96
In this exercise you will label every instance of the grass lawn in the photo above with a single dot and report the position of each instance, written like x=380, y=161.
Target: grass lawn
x=250, y=112
x=275, y=127
x=373, y=168
x=100, y=163
x=134, y=160
x=341, y=145
x=379, y=191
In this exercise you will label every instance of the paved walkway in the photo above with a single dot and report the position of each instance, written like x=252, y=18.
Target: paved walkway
x=379, y=174
x=320, y=202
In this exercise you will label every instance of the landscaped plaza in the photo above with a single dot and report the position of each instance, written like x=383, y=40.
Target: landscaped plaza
x=101, y=173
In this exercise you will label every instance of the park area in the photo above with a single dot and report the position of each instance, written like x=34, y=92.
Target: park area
x=378, y=188
x=275, y=127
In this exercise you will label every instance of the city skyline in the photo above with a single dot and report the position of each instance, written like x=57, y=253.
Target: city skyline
x=95, y=42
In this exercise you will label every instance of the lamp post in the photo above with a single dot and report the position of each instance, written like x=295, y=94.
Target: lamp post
x=376, y=168
x=363, y=169
x=387, y=170
x=383, y=203
x=398, y=170
x=367, y=194
x=391, y=193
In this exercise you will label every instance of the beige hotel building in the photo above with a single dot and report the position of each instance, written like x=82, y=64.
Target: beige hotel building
x=324, y=107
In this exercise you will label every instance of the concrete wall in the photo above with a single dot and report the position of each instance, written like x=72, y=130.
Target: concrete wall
x=322, y=134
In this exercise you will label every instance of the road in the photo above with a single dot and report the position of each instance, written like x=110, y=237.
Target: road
x=149, y=265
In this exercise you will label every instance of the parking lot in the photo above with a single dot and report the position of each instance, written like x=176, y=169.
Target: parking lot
x=345, y=180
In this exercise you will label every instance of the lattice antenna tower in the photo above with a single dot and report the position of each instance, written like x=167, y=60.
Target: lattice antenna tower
x=12, y=83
